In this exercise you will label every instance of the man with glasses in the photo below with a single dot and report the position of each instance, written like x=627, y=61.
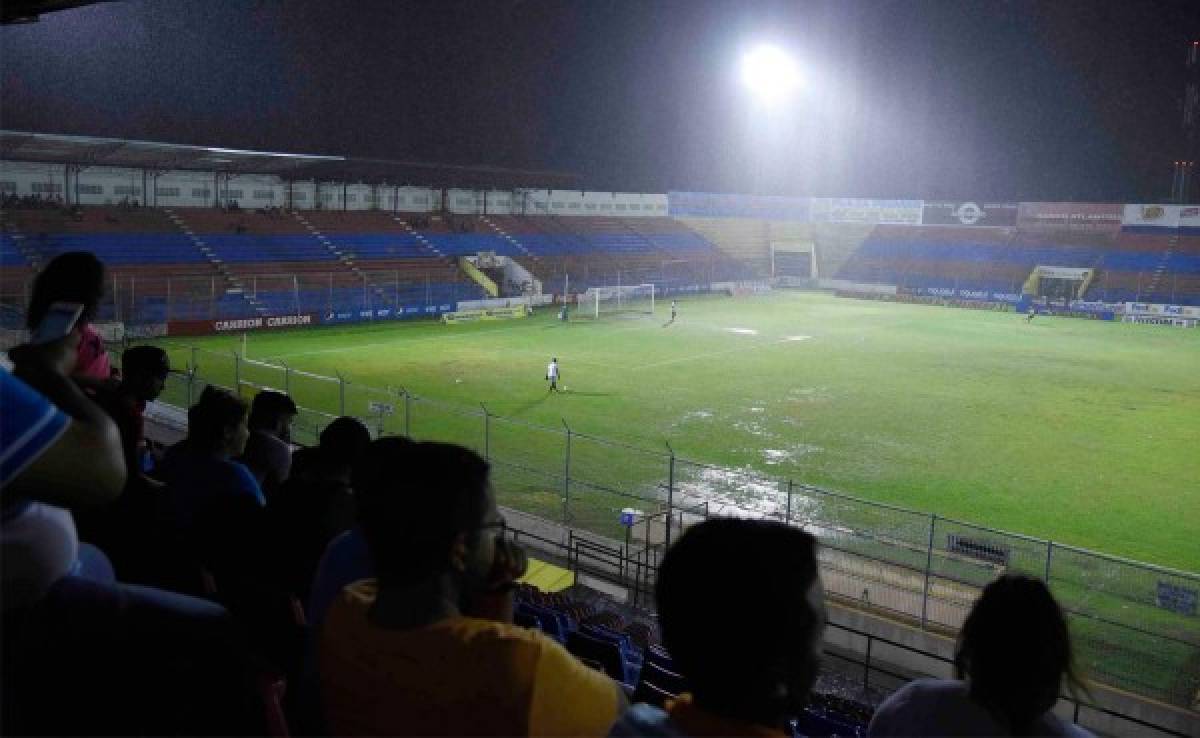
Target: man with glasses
x=427, y=647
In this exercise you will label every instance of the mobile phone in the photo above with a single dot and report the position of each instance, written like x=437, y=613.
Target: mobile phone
x=58, y=322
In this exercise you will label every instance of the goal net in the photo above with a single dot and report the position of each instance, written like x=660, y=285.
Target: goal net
x=631, y=298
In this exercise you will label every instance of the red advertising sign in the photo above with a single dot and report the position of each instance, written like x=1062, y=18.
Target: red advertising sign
x=238, y=325
x=1074, y=216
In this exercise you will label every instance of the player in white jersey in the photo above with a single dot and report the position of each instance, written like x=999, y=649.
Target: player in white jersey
x=552, y=374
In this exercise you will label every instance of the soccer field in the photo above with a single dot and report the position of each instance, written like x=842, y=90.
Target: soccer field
x=1083, y=432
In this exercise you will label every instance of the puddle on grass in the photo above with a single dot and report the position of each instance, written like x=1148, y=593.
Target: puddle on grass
x=774, y=456
x=696, y=415
x=754, y=428
x=743, y=331
x=809, y=394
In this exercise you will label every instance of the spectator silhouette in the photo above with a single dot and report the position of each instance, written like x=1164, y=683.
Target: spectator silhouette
x=122, y=529
x=1014, y=652
x=316, y=503
x=78, y=277
x=751, y=651
x=268, y=452
x=213, y=505
x=428, y=648
x=139, y=660
x=59, y=450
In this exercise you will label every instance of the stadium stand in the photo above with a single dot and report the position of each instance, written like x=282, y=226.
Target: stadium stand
x=201, y=263
x=1129, y=266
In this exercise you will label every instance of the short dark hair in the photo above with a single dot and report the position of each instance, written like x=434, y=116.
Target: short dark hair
x=733, y=608
x=268, y=407
x=72, y=276
x=343, y=441
x=413, y=499
x=217, y=411
x=1015, y=650
x=144, y=361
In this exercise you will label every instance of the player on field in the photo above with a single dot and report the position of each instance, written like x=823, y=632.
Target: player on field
x=552, y=374
x=674, y=312
x=1032, y=312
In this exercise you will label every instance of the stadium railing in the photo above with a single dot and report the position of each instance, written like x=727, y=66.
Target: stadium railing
x=628, y=567
x=1135, y=625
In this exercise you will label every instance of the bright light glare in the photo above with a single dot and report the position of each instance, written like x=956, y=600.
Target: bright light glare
x=770, y=73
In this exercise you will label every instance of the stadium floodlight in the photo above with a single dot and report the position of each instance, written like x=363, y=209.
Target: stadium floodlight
x=770, y=74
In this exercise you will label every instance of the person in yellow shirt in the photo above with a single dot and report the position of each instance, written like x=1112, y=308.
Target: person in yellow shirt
x=751, y=655
x=427, y=647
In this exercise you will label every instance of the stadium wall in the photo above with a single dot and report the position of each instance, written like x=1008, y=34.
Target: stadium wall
x=110, y=186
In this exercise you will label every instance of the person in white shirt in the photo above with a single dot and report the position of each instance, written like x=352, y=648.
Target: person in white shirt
x=1013, y=656
x=552, y=374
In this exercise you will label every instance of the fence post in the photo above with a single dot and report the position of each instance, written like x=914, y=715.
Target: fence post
x=670, y=495
x=237, y=374
x=787, y=516
x=341, y=393
x=567, y=478
x=191, y=380
x=928, y=568
x=287, y=377
x=867, y=664
x=1049, y=553
x=193, y=358
x=487, y=433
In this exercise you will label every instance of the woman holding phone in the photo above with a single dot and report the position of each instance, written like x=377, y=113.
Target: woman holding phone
x=74, y=277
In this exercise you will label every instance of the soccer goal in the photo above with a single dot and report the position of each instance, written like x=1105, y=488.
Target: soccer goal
x=627, y=298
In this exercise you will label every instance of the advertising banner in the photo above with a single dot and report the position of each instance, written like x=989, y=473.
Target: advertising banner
x=977, y=214
x=966, y=294
x=1189, y=217
x=500, y=313
x=872, y=212
x=1073, y=216
x=1174, y=311
x=238, y=325
x=1151, y=216
x=710, y=205
x=1053, y=272
x=400, y=313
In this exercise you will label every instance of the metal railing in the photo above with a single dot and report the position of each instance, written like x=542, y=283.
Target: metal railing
x=1135, y=625
x=629, y=567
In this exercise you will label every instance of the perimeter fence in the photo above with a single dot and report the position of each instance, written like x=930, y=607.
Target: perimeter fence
x=1135, y=625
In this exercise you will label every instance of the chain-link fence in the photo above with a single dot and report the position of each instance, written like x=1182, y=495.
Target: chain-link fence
x=1136, y=626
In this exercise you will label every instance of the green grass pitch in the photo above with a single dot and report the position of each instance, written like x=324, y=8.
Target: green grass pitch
x=1083, y=432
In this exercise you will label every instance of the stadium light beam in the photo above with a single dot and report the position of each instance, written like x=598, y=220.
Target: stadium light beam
x=770, y=74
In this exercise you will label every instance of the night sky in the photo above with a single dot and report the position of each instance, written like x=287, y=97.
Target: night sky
x=959, y=99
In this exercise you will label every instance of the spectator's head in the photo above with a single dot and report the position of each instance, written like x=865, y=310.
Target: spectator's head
x=343, y=441
x=144, y=371
x=742, y=614
x=428, y=514
x=1014, y=650
x=217, y=423
x=274, y=413
x=72, y=276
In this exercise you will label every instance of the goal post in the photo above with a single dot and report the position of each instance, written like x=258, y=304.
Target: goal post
x=626, y=298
